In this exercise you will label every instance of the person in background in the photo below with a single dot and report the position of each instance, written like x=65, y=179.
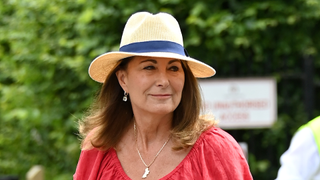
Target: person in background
x=146, y=121
x=302, y=160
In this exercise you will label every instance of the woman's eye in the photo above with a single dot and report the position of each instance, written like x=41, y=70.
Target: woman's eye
x=149, y=67
x=174, y=68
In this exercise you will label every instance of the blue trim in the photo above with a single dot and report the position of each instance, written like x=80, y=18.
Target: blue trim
x=154, y=46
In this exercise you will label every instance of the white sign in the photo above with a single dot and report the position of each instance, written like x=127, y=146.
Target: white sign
x=241, y=103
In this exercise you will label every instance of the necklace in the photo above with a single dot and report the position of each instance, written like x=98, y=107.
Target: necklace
x=146, y=171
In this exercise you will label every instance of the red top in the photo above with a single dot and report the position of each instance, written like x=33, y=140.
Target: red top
x=215, y=155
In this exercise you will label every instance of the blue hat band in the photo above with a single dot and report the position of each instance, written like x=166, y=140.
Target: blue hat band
x=154, y=46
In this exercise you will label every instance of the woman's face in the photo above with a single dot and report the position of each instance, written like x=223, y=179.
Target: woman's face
x=154, y=84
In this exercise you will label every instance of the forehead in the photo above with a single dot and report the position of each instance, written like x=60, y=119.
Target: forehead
x=156, y=60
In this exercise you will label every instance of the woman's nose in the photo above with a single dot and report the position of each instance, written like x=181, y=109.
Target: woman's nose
x=162, y=79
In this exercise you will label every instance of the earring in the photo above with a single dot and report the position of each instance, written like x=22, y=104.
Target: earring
x=125, y=97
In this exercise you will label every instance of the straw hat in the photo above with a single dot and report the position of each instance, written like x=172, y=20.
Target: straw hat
x=151, y=35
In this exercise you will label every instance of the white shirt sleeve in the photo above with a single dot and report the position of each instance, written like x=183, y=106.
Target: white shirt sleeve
x=302, y=160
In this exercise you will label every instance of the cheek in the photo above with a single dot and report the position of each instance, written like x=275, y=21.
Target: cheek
x=179, y=84
x=138, y=82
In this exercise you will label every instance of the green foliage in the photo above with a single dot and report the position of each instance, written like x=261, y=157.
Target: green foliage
x=47, y=46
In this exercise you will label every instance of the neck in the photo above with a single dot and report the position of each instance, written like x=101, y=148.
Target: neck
x=152, y=132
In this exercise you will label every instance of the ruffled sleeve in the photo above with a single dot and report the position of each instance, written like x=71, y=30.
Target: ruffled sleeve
x=95, y=164
x=224, y=157
x=216, y=155
x=86, y=164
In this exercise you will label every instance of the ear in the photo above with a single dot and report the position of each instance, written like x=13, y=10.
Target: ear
x=122, y=79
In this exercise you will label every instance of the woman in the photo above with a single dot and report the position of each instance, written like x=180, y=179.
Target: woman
x=145, y=122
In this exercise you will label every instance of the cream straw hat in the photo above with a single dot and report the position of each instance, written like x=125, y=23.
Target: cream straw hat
x=149, y=35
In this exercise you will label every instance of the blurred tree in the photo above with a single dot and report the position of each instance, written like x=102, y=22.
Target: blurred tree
x=47, y=46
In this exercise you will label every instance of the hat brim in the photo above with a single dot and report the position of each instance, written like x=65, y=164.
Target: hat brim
x=101, y=66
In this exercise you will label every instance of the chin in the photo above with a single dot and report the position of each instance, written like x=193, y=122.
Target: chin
x=163, y=110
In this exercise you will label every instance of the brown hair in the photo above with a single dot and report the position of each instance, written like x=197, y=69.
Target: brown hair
x=109, y=116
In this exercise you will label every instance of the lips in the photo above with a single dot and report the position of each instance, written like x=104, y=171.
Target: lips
x=161, y=95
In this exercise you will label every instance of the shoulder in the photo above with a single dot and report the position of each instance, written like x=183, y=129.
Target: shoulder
x=91, y=161
x=221, y=144
x=86, y=143
x=222, y=154
x=85, y=164
x=303, y=143
x=303, y=138
x=302, y=133
x=302, y=158
x=218, y=138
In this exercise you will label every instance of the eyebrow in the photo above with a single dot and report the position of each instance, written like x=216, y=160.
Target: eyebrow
x=155, y=62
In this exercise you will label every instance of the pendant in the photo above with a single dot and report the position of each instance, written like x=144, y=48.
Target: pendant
x=146, y=172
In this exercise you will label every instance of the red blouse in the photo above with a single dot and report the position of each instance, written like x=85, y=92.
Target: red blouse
x=215, y=155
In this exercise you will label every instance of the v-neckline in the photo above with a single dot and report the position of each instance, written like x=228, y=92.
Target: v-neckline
x=121, y=170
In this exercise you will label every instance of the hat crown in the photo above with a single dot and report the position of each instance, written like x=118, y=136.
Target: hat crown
x=144, y=26
x=148, y=35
